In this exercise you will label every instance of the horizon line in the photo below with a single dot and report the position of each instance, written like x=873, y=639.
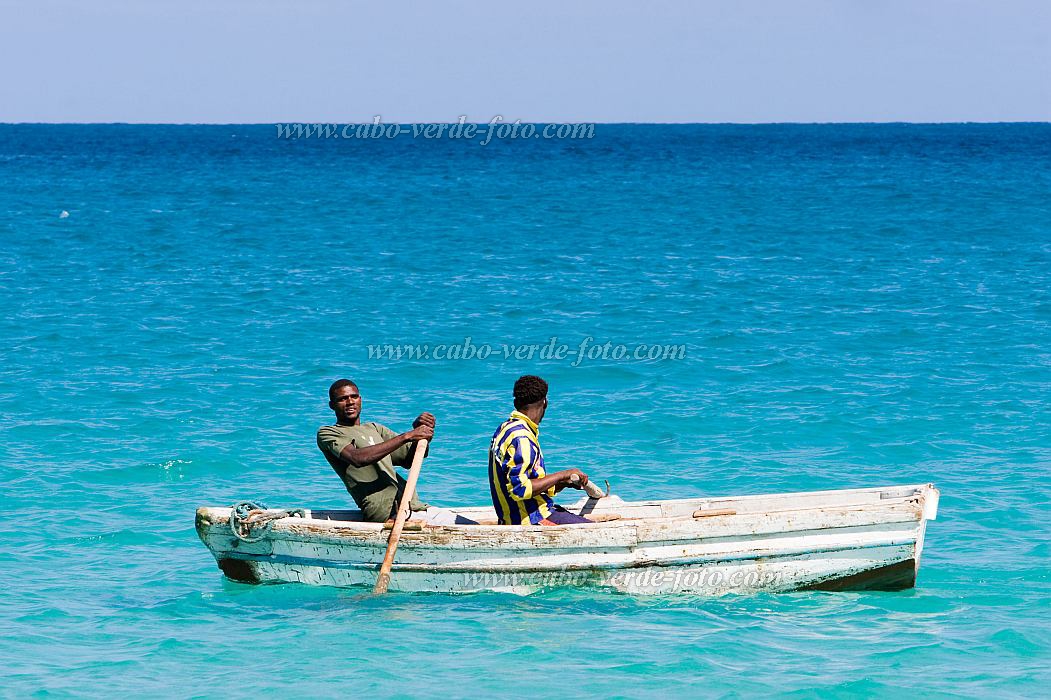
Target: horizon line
x=603, y=123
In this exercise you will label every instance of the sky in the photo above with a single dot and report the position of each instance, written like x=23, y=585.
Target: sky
x=339, y=61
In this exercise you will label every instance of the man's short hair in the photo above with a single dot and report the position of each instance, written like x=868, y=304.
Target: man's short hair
x=339, y=384
x=529, y=390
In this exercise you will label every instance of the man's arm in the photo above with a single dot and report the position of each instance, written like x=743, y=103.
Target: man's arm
x=360, y=456
x=520, y=460
x=560, y=480
x=402, y=456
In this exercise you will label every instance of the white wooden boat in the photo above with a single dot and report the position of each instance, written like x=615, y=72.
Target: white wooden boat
x=858, y=539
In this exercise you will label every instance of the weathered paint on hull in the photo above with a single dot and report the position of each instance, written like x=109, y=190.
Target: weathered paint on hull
x=713, y=579
x=891, y=577
x=850, y=540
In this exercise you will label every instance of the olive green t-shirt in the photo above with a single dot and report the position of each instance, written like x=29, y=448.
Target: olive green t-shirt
x=375, y=487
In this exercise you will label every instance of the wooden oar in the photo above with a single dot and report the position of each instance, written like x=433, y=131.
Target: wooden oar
x=383, y=580
x=590, y=488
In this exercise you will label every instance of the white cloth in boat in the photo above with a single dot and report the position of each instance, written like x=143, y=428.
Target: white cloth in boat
x=441, y=516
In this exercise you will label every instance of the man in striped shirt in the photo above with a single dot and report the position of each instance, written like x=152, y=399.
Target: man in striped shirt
x=521, y=488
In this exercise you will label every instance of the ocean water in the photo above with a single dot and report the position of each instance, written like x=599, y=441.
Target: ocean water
x=858, y=305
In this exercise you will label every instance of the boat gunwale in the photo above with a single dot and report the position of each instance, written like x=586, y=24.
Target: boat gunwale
x=618, y=534
x=217, y=515
x=917, y=490
x=292, y=524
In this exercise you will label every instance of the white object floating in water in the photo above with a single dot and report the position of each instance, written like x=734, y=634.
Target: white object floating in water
x=64, y=214
x=857, y=539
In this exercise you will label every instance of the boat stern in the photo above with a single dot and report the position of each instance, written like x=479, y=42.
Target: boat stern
x=930, y=497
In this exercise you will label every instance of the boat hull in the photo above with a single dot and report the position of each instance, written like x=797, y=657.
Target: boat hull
x=868, y=539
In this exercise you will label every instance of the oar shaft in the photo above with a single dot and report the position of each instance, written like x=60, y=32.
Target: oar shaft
x=383, y=580
x=590, y=488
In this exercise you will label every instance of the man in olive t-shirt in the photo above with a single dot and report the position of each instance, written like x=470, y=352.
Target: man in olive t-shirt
x=364, y=456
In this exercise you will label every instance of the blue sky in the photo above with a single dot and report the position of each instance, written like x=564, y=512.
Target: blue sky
x=704, y=61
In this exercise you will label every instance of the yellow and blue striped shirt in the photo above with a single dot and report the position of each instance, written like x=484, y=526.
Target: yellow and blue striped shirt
x=514, y=459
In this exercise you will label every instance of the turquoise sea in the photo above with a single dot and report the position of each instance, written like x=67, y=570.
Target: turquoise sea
x=860, y=305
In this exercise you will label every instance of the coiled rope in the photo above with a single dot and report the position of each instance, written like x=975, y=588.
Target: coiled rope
x=251, y=522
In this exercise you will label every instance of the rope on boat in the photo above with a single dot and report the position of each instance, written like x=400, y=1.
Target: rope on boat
x=251, y=522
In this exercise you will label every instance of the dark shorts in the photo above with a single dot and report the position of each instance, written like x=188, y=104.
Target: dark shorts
x=561, y=516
